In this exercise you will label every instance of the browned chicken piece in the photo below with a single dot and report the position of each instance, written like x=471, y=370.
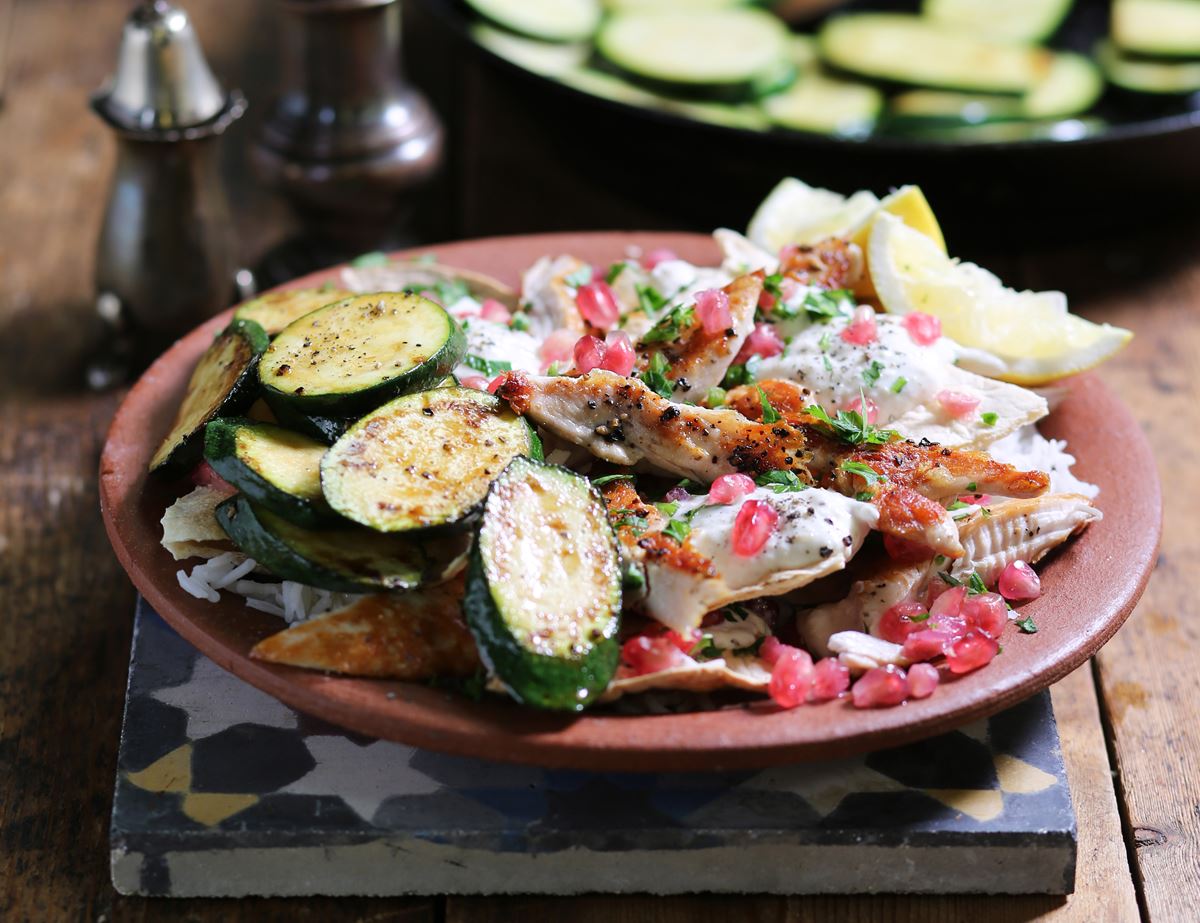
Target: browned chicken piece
x=699, y=360
x=622, y=421
x=914, y=478
x=832, y=263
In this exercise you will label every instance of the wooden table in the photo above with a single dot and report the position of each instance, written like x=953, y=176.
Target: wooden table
x=1128, y=720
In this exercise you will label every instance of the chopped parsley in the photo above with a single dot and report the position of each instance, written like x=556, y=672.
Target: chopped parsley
x=773, y=285
x=614, y=271
x=824, y=306
x=742, y=374
x=946, y=578
x=975, y=584
x=824, y=344
x=519, y=322
x=958, y=505
x=919, y=617
x=553, y=370
x=850, y=427
x=1026, y=625
x=629, y=518
x=650, y=299
x=972, y=487
x=864, y=471
x=609, y=478
x=898, y=385
x=782, y=482
x=668, y=508
x=678, y=529
x=536, y=450
x=367, y=260
x=871, y=374
x=715, y=397
x=669, y=325
x=655, y=376
x=705, y=649
x=581, y=276
x=486, y=366
x=989, y=418
x=750, y=650
x=689, y=485
x=769, y=413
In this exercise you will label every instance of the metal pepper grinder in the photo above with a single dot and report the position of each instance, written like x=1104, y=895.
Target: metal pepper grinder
x=165, y=258
x=347, y=140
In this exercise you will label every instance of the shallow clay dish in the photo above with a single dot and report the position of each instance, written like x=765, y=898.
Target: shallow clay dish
x=1091, y=586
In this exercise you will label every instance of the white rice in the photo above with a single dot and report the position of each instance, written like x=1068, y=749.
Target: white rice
x=291, y=601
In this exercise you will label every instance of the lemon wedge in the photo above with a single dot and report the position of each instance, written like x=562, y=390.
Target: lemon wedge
x=797, y=213
x=908, y=203
x=1032, y=334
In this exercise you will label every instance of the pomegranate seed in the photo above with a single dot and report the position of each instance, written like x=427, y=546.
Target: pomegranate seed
x=830, y=679
x=597, y=304
x=925, y=329
x=619, y=356
x=644, y=654
x=976, y=499
x=684, y=642
x=766, y=300
x=862, y=329
x=791, y=678
x=495, y=384
x=730, y=487
x=753, y=526
x=922, y=680
x=559, y=346
x=763, y=341
x=1019, y=581
x=203, y=475
x=880, y=688
x=478, y=382
x=772, y=649
x=957, y=403
x=948, y=603
x=905, y=550
x=495, y=311
x=986, y=612
x=712, y=307
x=589, y=353
x=872, y=409
x=970, y=652
x=925, y=645
x=897, y=623
x=658, y=255
x=675, y=494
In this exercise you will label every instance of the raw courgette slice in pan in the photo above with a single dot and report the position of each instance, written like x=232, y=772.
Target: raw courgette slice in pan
x=222, y=384
x=353, y=355
x=275, y=310
x=906, y=49
x=275, y=468
x=725, y=51
x=344, y=560
x=1157, y=28
x=548, y=20
x=1007, y=21
x=1137, y=75
x=424, y=459
x=822, y=104
x=543, y=592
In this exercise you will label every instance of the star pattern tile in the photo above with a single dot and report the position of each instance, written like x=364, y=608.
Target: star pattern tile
x=215, y=700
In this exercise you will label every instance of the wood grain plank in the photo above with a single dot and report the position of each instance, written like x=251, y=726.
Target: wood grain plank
x=1150, y=684
x=1104, y=888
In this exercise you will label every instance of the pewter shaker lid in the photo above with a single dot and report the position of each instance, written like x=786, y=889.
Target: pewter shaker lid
x=163, y=87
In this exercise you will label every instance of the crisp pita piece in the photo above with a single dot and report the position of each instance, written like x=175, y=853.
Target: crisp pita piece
x=190, y=528
x=750, y=674
x=411, y=636
x=1024, y=530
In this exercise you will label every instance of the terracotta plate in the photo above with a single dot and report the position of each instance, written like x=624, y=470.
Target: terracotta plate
x=1091, y=586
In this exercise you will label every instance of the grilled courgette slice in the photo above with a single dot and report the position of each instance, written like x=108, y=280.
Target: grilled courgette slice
x=543, y=594
x=1157, y=28
x=275, y=468
x=424, y=459
x=1010, y=21
x=548, y=20
x=353, y=355
x=275, y=310
x=344, y=560
x=1139, y=75
x=222, y=384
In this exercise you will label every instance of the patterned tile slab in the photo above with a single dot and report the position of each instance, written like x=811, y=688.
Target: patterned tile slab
x=223, y=791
